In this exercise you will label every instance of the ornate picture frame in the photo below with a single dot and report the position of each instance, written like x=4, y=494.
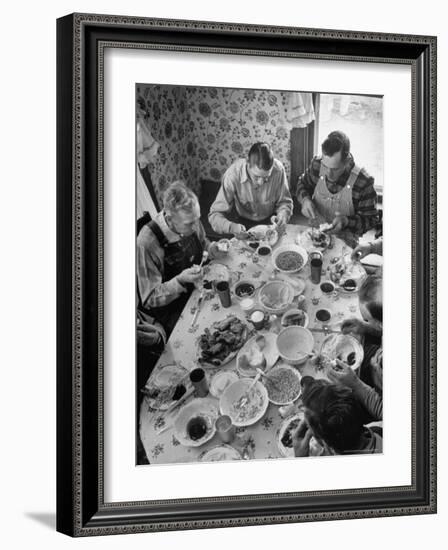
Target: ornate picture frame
x=81, y=42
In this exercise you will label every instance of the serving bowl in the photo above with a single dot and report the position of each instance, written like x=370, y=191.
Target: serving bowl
x=255, y=407
x=279, y=257
x=344, y=347
x=295, y=344
x=276, y=296
x=283, y=384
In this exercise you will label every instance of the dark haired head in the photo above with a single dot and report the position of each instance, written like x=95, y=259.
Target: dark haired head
x=334, y=414
x=371, y=296
x=260, y=155
x=336, y=141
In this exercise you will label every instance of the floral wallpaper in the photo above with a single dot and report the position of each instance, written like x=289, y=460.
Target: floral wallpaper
x=201, y=131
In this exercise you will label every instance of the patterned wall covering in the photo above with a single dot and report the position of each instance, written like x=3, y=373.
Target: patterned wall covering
x=201, y=131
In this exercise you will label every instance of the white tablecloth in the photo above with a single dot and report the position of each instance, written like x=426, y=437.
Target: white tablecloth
x=260, y=440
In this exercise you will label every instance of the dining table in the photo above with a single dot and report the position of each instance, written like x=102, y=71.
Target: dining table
x=260, y=440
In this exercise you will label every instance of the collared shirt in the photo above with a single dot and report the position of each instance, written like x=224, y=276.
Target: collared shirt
x=150, y=255
x=237, y=191
x=363, y=193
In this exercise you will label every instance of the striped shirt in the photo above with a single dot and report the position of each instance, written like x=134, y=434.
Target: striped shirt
x=363, y=193
x=238, y=192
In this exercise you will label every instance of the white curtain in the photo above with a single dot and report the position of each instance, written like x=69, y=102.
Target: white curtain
x=144, y=200
x=300, y=110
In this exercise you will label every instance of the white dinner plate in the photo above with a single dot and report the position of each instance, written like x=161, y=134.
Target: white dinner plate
x=220, y=453
x=270, y=353
x=203, y=408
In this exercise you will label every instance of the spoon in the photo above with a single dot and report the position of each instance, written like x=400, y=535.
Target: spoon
x=242, y=401
x=204, y=257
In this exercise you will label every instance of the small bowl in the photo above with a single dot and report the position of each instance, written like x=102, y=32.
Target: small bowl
x=295, y=344
x=291, y=312
x=240, y=286
x=277, y=291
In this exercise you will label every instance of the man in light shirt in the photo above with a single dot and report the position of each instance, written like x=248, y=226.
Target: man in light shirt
x=169, y=251
x=252, y=191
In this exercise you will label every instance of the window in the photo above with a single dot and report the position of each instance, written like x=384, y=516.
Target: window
x=361, y=118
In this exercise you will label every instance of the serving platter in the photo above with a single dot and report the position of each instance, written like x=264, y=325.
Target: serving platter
x=216, y=335
x=162, y=386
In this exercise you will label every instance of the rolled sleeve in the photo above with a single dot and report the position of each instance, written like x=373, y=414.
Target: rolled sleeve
x=223, y=204
x=284, y=201
x=153, y=292
x=308, y=181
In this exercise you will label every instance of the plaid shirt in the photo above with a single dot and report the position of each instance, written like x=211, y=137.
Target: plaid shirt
x=363, y=194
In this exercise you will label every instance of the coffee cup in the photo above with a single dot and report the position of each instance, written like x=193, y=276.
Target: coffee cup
x=258, y=318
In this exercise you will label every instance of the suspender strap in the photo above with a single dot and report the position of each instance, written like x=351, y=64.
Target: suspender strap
x=163, y=241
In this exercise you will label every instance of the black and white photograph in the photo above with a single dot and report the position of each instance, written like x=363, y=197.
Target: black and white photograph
x=258, y=274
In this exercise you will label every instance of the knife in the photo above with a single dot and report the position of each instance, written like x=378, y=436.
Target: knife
x=200, y=299
x=325, y=330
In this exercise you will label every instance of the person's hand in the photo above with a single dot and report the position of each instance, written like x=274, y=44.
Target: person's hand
x=342, y=374
x=190, y=275
x=216, y=252
x=338, y=224
x=282, y=219
x=308, y=209
x=147, y=335
x=361, y=251
x=301, y=439
x=353, y=326
x=240, y=231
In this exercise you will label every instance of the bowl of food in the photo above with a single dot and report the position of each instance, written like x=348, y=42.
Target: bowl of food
x=316, y=238
x=244, y=289
x=243, y=406
x=344, y=347
x=295, y=344
x=276, y=296
x=285, y=433
x=283, y=384
x=289, y=258
x=266, y=233
x=195, y=423
x=295, y=317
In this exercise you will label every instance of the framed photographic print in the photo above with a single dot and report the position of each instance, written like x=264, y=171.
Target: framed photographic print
x=246, y=233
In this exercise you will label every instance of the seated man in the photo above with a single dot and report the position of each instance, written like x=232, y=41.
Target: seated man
x=169, y=251
x=252, y=190
x=369, y=386
x=337, y=191
x=333, y=415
